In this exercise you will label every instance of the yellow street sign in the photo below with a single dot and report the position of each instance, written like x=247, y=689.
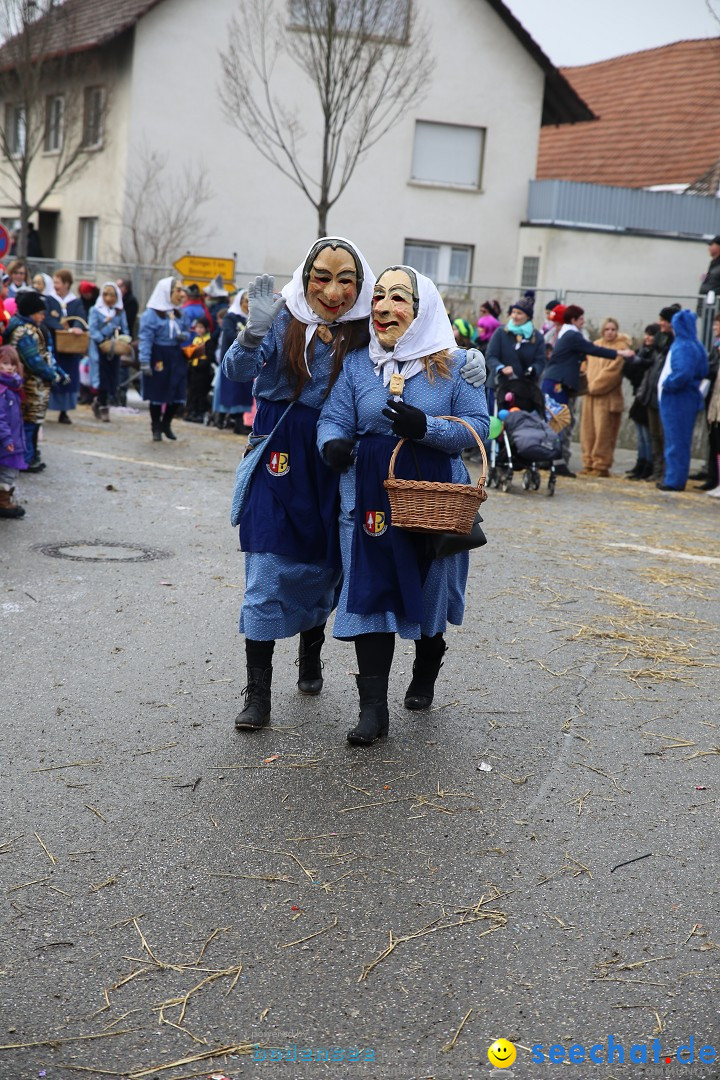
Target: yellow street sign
x=203, y=269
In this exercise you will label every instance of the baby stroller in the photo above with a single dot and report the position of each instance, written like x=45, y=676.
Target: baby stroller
x=526, y=440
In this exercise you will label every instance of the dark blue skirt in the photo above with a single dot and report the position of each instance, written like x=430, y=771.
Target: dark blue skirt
x=293, y=505
x=233, y=395
x=389, y=565
x=168, y=383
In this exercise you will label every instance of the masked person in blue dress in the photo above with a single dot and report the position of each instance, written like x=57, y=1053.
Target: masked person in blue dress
x=392, y=584
x=162, y=361
x=294, y=347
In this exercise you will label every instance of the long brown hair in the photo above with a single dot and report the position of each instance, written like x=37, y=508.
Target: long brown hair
x=349, y=336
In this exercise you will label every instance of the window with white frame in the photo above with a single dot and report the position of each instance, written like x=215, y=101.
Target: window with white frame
x=448, y=154
x=530, y=271
x=87, y=239
x=94, y=108
x=384, y=19
x=446, y=264
x=54, y=120
x=15, y=129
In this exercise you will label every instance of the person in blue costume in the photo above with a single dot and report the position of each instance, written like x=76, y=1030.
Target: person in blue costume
x=162, y=361
x=294, y=347
x=65, y=311
x=107, y=318
x=232, y=399
x=686, y=365
x=392, y=584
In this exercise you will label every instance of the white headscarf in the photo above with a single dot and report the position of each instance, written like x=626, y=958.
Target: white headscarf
x=294, y=293
x=235, y=308
x=49, y=289
x=102, y=306
x=428, y=333
x=160, y=301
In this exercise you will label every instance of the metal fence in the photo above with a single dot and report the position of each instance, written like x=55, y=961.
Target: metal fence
x=567, y=202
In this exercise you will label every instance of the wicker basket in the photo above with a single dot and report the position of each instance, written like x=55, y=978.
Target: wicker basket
x=71, y=344
x=118, y=345
x=429, y=507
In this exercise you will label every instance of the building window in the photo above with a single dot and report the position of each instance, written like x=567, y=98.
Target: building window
x=93, y=117
x=446, y=264
x=387, y=20
x=448, y=154
x=54, y=117
x=530, y=272
x=88, y=239
x=15, y=129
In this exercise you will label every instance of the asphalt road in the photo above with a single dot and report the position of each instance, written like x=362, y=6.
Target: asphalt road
x=176, y=892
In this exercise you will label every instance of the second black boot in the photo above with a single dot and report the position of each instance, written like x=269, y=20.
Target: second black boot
x=256, y=711
x=310, y=679
x=374, y=720
x=155, y=421
x=429, y=652
x=167, y=431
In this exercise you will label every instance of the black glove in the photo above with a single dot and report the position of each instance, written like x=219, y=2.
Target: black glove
x=339, y=454
x=408, y=422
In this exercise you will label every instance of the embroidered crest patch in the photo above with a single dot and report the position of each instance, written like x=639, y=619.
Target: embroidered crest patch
x=279, y=463
x=375, y=523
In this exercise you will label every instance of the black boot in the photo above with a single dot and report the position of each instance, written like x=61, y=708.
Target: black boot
x=155, y=421
x=429, y=652
x=167, y=431
x=256, y=711
x=310, y=680
x=374, y=720
x=637, y=468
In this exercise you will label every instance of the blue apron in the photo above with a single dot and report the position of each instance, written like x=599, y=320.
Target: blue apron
x=168, y=382
x=294, y=502
x=389, y=565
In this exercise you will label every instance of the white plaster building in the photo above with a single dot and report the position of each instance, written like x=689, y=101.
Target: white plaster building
x=446, y=189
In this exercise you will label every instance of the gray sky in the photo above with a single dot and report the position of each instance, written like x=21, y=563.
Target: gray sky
x=575, y=32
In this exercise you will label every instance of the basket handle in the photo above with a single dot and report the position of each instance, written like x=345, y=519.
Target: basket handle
x=77, y=318
x=483, y=474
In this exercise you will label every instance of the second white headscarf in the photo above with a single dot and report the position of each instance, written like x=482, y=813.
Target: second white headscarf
x=428, y=333
x=102, y=306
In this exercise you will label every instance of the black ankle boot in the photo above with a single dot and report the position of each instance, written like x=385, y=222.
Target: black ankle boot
x=421, y=691
x=166, y=421
x=256, y=712
x=637, y=468
x=310, y=680
x=374, y=720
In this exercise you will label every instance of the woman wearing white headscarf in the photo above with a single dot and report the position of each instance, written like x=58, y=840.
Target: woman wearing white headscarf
x=64, y=309
x=107, y=318
x=162, y=361
x=233, y=398
x=410, y=380
x=294, y=347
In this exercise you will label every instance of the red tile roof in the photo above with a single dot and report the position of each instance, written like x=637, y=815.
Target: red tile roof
x=657, y=119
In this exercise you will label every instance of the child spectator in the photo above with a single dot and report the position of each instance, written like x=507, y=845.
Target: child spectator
x=12, y=435
x=488, y=322
x=463, y=333
x=41, y=372
x=635, y=371
x=200, y=371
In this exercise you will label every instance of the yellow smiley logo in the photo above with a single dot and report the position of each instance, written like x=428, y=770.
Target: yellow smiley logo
x=501, y=1054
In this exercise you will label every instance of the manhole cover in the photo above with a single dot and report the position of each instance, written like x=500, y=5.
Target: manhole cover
x=101, y=551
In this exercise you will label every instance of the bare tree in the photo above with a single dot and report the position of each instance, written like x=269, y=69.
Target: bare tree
x=366, y=60
x=45, y=107
x=161, y=217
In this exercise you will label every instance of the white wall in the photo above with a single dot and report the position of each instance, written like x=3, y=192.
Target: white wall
x=482, y=77
x=596, y=268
